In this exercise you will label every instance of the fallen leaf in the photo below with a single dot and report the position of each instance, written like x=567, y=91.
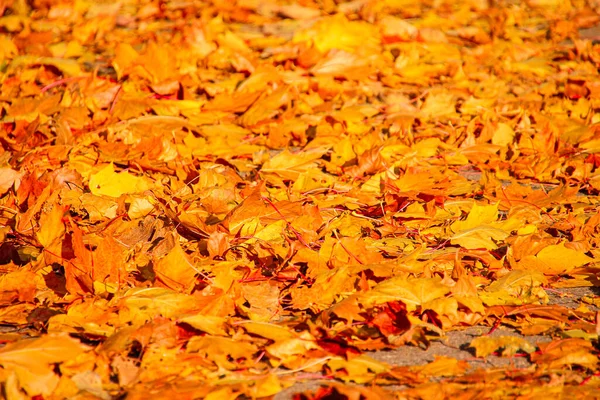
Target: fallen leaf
x=506, y=346
x=32, y=360
x=554, y=259
x=107, y=182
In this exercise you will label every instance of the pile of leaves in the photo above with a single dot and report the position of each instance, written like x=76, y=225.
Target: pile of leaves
x=217, y=199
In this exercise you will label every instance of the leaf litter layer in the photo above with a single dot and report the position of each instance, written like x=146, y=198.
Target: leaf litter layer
x=210, y=200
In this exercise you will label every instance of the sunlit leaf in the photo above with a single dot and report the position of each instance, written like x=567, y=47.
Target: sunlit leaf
x=224, y=199
x=32, y=360
x=107, y=182
x=555, y=259
x=507, y=346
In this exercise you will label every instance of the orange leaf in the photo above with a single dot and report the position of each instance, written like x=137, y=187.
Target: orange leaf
x=109, y=264
x=32, y=360
x=175, y=270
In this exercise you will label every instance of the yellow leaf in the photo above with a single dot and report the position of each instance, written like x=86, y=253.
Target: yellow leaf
x=507, y=345
x=444, y=366
x=274, y=233
x=479, y=215
x=554, y=260
x=342, y=152
x=413, y=292
x=518, y=279
x=140, y=207
x=473, y=106
x=314, y=178
x=527, y=230
x=439, y=105
x=223, y=351
x=481, y=237
x=336, y=32
x=503, y=135
x=107, y=182
x=268, y=330
x=446, y=308
x=289, y=347
x=159, y=301
x=125, y=56
x=69, y=67
x=226, y=393
x=98, y=208
x=266, y=386
x=288, y=165
x=232, y=41
x=7, y=48
x=361, y=369
x=515, y=288
x=475, y=232
x=536, y=66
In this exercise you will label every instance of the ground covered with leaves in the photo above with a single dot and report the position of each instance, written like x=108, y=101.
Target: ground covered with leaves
x=219, y=199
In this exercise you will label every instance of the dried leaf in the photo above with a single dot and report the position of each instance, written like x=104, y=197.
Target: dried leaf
x=175, y=270
x=268, y=192
x=32, y=360
x=107, y=182
x=507, y=346
x=555, y=259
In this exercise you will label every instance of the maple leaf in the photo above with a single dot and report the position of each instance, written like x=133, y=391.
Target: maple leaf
x=290, y=166
x=390, y=319
x=31, y=360
x=175, y=270
x=266, y=192
x=555, y=259
x=516, y=287
x=508, y=345
x=8, y=177
x=361, y=369
x=19, y=285
x=51, y=227
x=443, y=366
x=110, y=183
x=289, y=348
x=412, y=292
x=477, y=231
x=336, y=32
x=480, y=237
x=566, y=352
x=109, y=266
